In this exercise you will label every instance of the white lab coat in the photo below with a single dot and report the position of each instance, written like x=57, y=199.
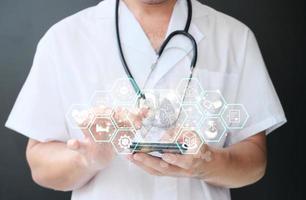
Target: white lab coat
x=79, y=55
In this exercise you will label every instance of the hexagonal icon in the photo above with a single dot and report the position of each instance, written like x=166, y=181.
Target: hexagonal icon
x=235, y=116
x=193, y=115
x=188, y=141
x=189, y=90
x=123, y=140
x=212, y=129
x=121, y=115
x=102, y=129
x=212, y=103
x=79, y=116
x=164, y=108
x=123, y=91
x=102, y=102
x=181, y=119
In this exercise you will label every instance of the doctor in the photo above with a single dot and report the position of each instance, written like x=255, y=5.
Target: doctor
x=80, y=55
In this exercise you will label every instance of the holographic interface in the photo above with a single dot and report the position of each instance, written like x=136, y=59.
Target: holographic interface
x=187, y=117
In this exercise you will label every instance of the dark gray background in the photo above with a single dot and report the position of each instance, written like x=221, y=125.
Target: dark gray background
x=280, y=29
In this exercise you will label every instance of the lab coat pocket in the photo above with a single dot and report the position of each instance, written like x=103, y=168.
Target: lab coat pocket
x=226, y=83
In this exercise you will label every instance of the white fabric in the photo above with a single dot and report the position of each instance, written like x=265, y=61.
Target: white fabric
x=79, y=55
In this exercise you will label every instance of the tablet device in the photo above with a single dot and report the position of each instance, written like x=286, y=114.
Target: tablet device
x=144, y=147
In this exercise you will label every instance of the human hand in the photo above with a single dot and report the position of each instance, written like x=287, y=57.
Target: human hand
x=176, y=165
x=97, y=155
x=170, y=135
x=124, y=117
x=94, y=155
x=129, y=118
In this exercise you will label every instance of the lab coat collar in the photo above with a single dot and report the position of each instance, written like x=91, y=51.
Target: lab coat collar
x=134, y=38
x=179, y=47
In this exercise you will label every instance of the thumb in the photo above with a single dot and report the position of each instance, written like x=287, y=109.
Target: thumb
x=170, y=135
x=78, y=145
x=73, y=144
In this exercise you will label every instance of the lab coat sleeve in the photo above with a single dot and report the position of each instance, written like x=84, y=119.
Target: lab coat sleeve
x=256, y=92
x=38, y=111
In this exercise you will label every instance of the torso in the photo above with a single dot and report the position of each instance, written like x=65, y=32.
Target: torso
x=155, y=30
x=87, y=58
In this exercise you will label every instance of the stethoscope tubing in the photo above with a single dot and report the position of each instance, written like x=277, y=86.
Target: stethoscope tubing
x=184, y=32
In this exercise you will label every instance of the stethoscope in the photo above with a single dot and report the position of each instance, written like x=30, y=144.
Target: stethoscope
x=141, y=95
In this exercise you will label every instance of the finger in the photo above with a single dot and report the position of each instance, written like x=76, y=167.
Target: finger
x=117, y=114
x=129, y=157
x=143, y=112
x=78, y=145
x=147, y=169
x=157, y=164
x=170, y=135
x=136, y=120
x=88, y=120
x=182, y=161
x=124, y=118
x=73, y=144
x=138, y=115
x=206, y=153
